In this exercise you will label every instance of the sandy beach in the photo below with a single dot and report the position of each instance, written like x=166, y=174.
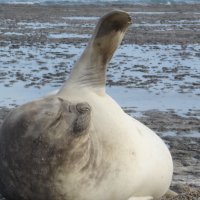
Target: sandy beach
x=154, y=75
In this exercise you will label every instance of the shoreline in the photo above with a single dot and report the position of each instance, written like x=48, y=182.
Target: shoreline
x=161, y=21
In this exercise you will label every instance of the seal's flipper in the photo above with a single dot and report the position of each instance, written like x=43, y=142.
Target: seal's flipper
x=90, y=70
x=170, y=194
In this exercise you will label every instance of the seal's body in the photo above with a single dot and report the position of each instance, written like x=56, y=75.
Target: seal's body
x=79, y=144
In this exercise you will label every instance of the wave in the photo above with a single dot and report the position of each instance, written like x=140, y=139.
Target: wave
x=99, y=1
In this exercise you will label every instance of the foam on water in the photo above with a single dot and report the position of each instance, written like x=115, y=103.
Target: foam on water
x=67, y=35
x=38, y=25
x=192, y=134
x=98, y=1
x=81, y=18
x=13, y=33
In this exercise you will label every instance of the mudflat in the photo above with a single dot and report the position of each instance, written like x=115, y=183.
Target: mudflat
x=158, y=59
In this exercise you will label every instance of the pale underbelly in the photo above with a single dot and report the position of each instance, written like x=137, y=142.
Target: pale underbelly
x=140, y=162
x=136, y=160
x=140, y=167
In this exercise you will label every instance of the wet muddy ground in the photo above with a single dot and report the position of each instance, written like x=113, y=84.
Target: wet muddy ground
x=154, y=75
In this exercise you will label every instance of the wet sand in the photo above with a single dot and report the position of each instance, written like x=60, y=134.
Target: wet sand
x=39, y=45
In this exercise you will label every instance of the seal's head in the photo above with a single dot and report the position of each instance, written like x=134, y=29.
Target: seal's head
x=36, y=140
x=109, y=33
x=115, y=21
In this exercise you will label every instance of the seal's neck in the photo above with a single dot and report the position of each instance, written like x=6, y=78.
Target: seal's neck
x=90, y=70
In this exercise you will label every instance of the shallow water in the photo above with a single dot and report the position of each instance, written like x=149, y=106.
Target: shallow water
x=191, y=134
x=141, y=100
x=66, y=35
x=144, y=77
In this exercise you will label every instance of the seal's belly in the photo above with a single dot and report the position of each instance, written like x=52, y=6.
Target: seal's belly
x=141, y=159
x=133, y=160
x=153, y=161
x=138, y=157
x=143, y=169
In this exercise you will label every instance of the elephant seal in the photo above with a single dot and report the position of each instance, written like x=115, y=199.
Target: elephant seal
x=97, y=153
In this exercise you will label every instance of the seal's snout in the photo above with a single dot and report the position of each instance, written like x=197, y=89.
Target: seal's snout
x=116, y=20
x=119, y=20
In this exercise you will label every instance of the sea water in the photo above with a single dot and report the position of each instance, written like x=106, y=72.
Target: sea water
x=99, y=1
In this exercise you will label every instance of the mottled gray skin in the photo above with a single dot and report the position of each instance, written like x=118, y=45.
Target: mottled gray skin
x=36, y=140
